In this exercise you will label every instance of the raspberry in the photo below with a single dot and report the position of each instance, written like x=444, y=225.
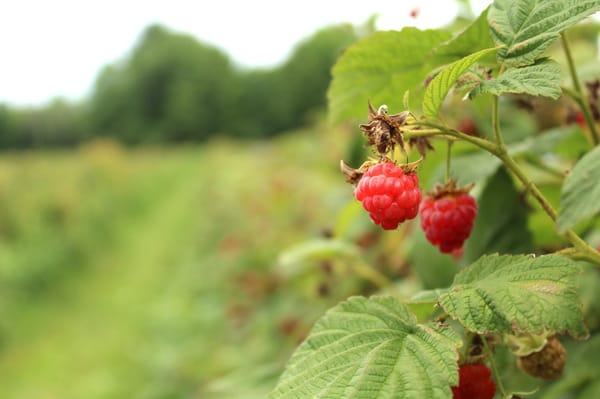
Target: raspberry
x=547, y=363
x=468, y=126
x=447, y=221
x=390, y=195
x=474, y=382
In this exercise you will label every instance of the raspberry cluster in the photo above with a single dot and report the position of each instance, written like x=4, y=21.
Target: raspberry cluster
x=448, y=220
x=474, y=382
x=390, y=195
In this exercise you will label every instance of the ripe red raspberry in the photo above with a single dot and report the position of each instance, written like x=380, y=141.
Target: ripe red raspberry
x=474, y=382
x=390, y=195
x=447, y=220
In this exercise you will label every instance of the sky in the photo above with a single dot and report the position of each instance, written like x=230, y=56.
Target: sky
x=57, y=48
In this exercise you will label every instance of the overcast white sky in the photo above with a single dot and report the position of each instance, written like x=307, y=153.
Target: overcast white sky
x=56, y=48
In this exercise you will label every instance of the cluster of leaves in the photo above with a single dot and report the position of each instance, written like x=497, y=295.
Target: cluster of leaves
x=387, y=347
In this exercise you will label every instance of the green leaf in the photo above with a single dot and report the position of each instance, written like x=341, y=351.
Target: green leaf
x=372, y=348
x=434, y=269
x=473, y=38
x=514, y=294
x=381, y=68
x=546, y=141
x=495, y=229
x=541, y=79
x=528, y=27
x=440, y=85
x=580, y=197
x=463, y=171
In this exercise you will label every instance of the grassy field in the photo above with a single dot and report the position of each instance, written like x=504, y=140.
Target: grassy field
x=150, y=273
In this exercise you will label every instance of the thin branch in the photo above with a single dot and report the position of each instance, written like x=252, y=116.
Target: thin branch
x=493, y=366
x=496, y=122
x=578, y=88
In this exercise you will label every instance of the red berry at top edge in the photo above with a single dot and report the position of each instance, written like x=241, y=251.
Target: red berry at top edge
x=580, y=119
x=390, y=195
x=474, y=382
x=447, y=221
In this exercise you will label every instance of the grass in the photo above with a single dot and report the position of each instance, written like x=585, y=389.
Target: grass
x=149, y=273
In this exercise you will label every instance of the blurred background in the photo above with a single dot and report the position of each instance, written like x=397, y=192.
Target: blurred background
x=160, y=162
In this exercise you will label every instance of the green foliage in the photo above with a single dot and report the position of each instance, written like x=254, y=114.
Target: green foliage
x=527, y=28
x=488, y=288
x=284, y=98
x=472, y=39
x=364, y=346
x=435, y=270
x=171, y=88
x=513, y=294
x=540, y=79
x=380, y=67
x=439, y=87
x=579, y=198
x=162, y=263
x=496, y=230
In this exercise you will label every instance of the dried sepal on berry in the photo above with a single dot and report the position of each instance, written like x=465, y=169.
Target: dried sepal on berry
x=354, y=175
x=449, y=188
x=477, y=348
x=422, y=145
x=383, y=130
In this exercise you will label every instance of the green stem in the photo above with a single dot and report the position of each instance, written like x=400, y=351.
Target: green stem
x=538, y=163
x=448, y=158
x=367, y=272
x=496, y=122
x=500, y=151
x=479, y=142
x=493, y=367
x=583, y=104
x=572, y=70
x=512, y=165
x=583, y=247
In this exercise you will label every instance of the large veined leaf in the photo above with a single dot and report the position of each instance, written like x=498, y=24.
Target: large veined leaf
x=513, y=294
x=540, y=79
x=372, y=348
x=439, y=87
x=473, y=38
x=381, y=68
x=528, y=27
x=580, y=197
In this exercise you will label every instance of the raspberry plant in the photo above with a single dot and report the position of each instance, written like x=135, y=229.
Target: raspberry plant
x=516, y=290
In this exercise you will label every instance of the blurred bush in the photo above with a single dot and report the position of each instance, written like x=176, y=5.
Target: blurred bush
x=174, y=88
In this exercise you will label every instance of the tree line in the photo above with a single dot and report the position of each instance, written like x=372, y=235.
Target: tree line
x=174, y=88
